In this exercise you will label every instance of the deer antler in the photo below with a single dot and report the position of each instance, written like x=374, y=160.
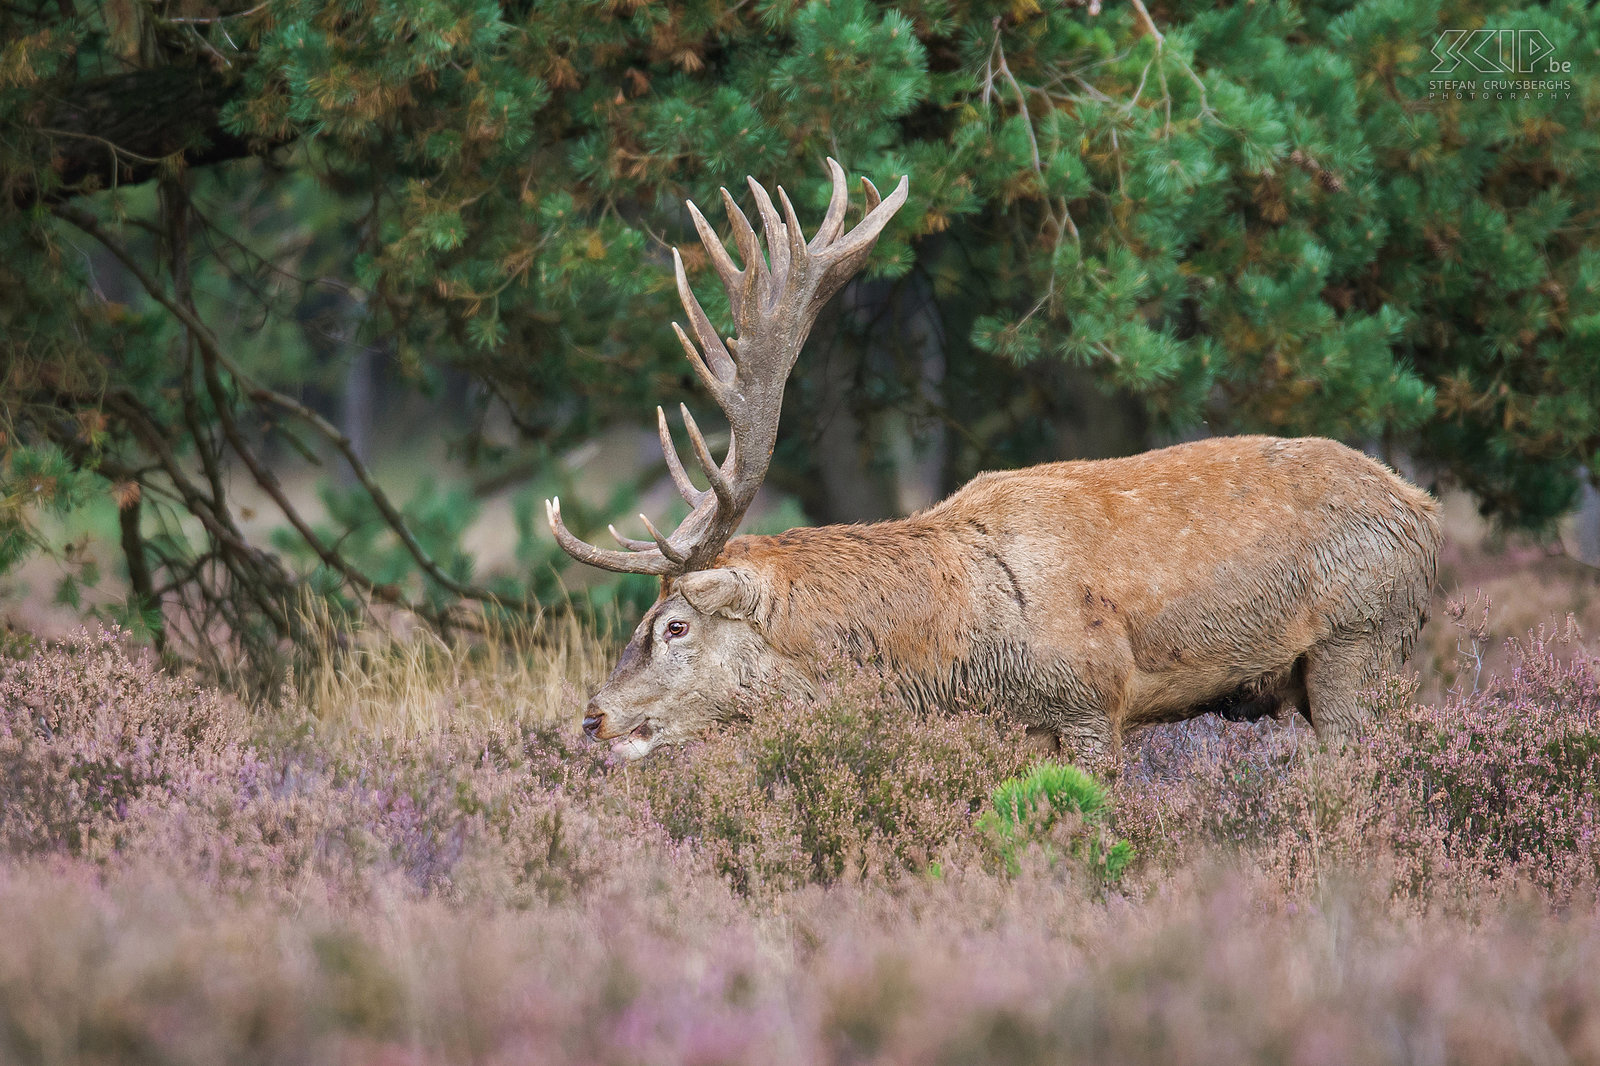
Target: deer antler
x=774, y=305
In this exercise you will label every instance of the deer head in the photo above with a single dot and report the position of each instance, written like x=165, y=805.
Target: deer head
x=706, y=641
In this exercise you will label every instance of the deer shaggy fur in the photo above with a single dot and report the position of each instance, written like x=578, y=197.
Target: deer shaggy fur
x=1238, y=575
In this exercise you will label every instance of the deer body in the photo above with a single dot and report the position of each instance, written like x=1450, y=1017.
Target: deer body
x=1242, y=575
x=1238, y=575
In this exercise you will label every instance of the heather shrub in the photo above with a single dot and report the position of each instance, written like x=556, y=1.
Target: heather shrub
x=1054, y=804
x=1487, y=791
x=491, y=815
x=1173, y=776
x=147, y=969
x=91, y=728
x=491, y=889
x=1503, y=783
x=852, y=784
x=104, y=756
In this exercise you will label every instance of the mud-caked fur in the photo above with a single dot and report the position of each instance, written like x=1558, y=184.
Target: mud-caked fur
x=1242, y=575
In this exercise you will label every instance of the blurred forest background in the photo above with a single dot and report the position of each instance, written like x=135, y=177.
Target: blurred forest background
x=312, y=301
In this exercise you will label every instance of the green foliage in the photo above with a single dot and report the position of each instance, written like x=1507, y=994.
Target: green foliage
x=436, y=518
x=1051, y=802
x=1278, y=229
x=1245, y=217
x=35, y=481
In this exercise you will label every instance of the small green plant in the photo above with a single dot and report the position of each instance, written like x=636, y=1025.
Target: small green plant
x=1051, y=802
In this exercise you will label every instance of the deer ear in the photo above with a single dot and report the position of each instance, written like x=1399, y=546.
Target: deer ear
x=731, y=593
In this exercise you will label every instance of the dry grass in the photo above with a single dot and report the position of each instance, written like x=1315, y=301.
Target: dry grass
x=396, y=678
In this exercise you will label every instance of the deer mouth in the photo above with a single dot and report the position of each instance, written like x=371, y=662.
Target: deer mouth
x=635, y=743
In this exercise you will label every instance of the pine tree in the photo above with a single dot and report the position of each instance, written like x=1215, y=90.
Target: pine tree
x=1242, y=216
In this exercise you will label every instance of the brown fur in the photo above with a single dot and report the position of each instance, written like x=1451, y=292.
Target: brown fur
x=1240, y=575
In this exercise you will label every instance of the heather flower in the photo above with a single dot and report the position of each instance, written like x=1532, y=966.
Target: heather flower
x=89, y=730
x=1489, y=790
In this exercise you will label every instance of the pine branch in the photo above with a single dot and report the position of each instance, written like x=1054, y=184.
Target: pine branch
x=124, y=129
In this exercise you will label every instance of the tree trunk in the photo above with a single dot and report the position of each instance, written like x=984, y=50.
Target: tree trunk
x=851, y=491
x=916, y=438
x=1096, y=421
x=1580, y=533
x=139, y=581
x=355, y=417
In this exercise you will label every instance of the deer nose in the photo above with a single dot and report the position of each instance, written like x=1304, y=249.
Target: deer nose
x=593, y=721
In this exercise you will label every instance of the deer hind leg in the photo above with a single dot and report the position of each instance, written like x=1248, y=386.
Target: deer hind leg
x=1097, y=749
x=1044, y=741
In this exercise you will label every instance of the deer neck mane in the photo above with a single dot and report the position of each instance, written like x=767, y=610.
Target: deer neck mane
x=888, y=591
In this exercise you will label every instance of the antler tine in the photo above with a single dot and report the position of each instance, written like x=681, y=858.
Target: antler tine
x=624, y=562
x=732, y=277
x=662, y=543
x=878, y=216
x=870, y=191
x=680, y=479
x=838, y=205
x=777, y=240
x=775, y=298
x=844, y=258
x=713, y=472
x=707, y=378
x=755, y=264
x=721, y=363
x=798, y=253
x=629, y=542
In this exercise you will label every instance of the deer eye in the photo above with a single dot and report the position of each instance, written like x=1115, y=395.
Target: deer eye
x=677, y=627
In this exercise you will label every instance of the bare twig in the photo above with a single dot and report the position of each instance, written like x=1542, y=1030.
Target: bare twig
x=1160, y=38
x=1058, y=213
x=116, y=149
x=211, y=351
x=1147, y=22
x=220, y=18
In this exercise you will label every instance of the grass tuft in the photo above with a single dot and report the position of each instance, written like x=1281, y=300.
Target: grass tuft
x=400, y=679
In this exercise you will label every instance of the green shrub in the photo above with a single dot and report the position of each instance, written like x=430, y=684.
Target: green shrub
x=1052, y=805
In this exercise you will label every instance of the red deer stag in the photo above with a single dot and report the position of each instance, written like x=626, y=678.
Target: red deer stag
x=1238, y=575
